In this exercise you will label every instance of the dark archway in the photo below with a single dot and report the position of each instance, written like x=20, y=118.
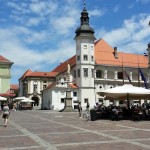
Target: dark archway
x=36, y=100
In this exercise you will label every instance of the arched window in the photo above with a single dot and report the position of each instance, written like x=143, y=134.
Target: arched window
x=120, y=75
x=98, y=74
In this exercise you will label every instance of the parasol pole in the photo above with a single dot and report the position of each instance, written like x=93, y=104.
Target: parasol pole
x=122, y=72
x=138, y=74
x=128, y=102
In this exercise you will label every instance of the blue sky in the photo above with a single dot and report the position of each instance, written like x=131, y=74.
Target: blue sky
x=39, y=34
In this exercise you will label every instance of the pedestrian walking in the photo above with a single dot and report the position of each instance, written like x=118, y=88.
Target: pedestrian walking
x=79, y=109
x=87, y=111
x=15, y=106
x=6, y=113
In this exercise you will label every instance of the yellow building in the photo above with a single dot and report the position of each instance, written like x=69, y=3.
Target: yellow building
x=5, y=75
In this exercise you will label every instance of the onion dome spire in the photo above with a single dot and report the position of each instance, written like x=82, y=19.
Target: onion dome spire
x=84, y=28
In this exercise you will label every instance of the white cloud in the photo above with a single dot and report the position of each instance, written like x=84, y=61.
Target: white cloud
x=43, y=35
x=33, y=21
x=143, y=1
x=43, y=7
x=25, y=58
x=63, y=24
x=132, y=36
x=97, y=12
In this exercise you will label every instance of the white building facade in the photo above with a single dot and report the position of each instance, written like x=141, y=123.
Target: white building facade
x=96, y=67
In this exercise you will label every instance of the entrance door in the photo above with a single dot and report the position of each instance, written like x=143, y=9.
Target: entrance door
x=36, y=101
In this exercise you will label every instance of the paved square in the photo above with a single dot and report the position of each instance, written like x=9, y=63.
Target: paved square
x=50, y=130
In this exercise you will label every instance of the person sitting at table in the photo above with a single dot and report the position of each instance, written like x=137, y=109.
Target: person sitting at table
x=115, y=113
x=96, y=107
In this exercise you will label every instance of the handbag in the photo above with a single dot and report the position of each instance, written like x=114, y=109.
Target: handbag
x=6, y=112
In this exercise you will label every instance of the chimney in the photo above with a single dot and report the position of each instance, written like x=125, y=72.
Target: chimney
x=115, y=53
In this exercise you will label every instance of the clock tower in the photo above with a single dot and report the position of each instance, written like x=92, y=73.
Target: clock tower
x=85, y=61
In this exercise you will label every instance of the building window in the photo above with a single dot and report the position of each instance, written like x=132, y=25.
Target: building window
x=62, y=93
x=78, y=58
x=100, y=101
x=35, y=87
x=91, y=47
x=44, y=86
x=120, y=75
x=74, y=73
x=92, y=71
x=86, y=100
x=44, y=81
x=85, y=46
x=78, y=72
x=98, y=74
x=85, y=71
x=92, y=58
x=85, y=57
x=74, y=94
x=62, y=100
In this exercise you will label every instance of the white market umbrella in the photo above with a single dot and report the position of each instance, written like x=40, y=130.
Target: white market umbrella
x=27, y=100
x=3, y=98
x=19, y=98
x=126, y=92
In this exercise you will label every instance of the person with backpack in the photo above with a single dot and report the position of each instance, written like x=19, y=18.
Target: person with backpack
x=6, y=113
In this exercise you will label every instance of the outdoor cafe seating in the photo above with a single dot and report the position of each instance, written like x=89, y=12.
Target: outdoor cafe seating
x=115, y=113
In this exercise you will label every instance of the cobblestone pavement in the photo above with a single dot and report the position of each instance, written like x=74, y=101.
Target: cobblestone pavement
x=49, y=130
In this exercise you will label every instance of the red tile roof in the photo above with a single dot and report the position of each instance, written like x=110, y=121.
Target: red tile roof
x=29, y=73
x=104, y=54
x=73, y=86
x=43, y=74
x=63, y=66
x=3, y=59
x=14, y=86
x=25, y=74
x=8, y=95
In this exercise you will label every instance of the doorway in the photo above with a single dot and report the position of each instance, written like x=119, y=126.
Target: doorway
x=36, y=100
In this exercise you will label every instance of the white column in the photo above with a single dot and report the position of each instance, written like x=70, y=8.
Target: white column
x=38, y=86
x=116, y=75
x=130, y=76
x=105, y=74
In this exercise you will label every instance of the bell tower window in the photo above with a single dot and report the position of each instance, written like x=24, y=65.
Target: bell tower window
x=85, y=57
x=85, y=71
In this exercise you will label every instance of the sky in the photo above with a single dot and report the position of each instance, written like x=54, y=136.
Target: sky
x=39, y=34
